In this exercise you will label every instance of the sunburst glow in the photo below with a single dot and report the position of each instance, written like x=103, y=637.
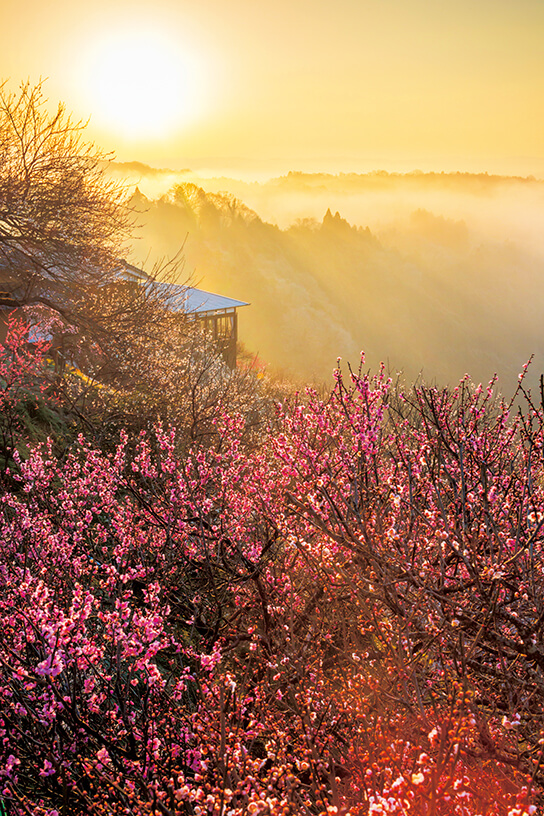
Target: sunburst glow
x=143, y=85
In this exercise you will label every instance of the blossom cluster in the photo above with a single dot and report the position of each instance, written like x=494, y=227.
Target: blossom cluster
x=345, y=619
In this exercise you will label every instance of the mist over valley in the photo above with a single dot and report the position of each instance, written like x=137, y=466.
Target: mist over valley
x=429, y=272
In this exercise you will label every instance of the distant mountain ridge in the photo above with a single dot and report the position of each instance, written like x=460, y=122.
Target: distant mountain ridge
x=296, y=176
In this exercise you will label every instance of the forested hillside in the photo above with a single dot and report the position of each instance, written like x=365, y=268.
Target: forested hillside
x=426, y=292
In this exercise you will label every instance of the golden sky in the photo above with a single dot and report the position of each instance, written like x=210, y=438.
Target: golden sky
x=302, y=84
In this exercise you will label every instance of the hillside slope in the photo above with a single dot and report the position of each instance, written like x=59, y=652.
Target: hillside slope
x=431, y=296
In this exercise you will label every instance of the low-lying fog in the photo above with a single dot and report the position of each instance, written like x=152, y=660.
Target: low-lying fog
x=440, y=273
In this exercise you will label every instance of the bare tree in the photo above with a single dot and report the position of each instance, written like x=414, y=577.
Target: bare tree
x=64, y=226
x=63, y=223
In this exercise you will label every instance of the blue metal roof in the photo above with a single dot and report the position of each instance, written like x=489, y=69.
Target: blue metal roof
x=185, y=298
x=198, y=301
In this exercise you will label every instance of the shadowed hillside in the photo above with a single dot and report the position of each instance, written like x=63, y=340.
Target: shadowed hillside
x=426, y=292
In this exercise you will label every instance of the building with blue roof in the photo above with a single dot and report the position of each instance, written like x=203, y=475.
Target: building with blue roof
x=217, y=314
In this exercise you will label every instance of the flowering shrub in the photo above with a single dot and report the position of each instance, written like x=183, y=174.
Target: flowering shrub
x=346, y=620
x=24, y=390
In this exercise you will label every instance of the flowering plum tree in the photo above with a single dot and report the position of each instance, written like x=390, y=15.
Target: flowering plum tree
x=343, y=620
x=24, y=389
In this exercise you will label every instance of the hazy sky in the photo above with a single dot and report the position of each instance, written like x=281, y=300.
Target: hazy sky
x=306, y=84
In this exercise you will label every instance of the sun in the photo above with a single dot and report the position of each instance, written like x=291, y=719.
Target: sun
x=143, y=85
